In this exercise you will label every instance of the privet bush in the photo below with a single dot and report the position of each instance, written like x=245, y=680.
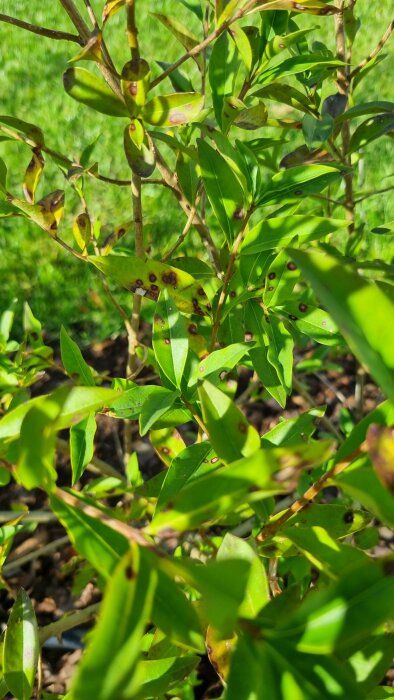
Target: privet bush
x=232, y=550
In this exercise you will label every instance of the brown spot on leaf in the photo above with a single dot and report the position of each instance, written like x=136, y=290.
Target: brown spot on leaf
x=165, y=450
x=170, y=277
x=177, y=118
x=388, y=567
x=214, y=460
x=270, y=289
x=139, y=283
x=201, y=292
x=238, y=214
x=272, y=275
x=129, y=572
x=154, y=288
x=233, y=294
x=348, y=517
x=192, y=328
x=121, y=231
x=291, y=265
x=298, y=193
x=292, y=317
x=303, y=307
x=167, y=341
x=248, y=336
x=242, y=427
x=152, y=277
x=133, y=90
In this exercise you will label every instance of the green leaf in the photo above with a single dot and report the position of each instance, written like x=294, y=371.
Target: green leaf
x=298, y=182
x=256, y=324
x=156, y=677
x=73, y=361
x=222, y=71
x=221, y=360
x=360, y=482
x=250, y=479
x=231, y=436
x=257, y=592
x=287, y=94
x=149, y=277
x=138, y=148
x=129, y=405
x=93, y=92
x=173, y=110
x=298, y=64
x=222, y=187
x=363, y=108
x=179, y=31
x=155, y=407
x=82, y=445
x=370, y=130
x=340, y=618
x=281, y=278
x=3, y=176
x=293, y=430
x=279, y=231
x=110, y=661
x=371, y=662
x=21, y=648
x=280, y=43
x=317, y=131
x=181, y=470
x=170, y=339
x=97, y=542
x=37, y=440
x=360, y=308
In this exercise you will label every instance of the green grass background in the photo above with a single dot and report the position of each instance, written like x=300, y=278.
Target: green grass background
x=60, y=289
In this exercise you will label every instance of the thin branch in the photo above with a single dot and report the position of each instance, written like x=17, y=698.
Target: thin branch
x=42, y=31
x=34, y=516
x=14, y=564
x=343, y=83
x=375, y=51
x=272, y=527
x=183, y=235
x=72, y=619
x=228, y=275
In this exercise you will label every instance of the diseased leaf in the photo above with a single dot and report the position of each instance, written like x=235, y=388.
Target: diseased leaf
x=30, y=131
x=32, y=175
x=21, y=648
x=312, y=321
x=138, y=148
x=173, y=110
x=297, y=182
x=148, y=277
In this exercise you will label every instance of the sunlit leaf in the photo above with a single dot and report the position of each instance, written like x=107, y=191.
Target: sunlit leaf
x=21, y=648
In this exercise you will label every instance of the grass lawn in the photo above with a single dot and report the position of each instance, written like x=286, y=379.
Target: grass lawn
x=58, y=288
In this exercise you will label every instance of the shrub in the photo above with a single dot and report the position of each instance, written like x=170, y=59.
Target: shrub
x=233, y=549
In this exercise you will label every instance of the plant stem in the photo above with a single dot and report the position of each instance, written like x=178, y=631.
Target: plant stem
x=272, y=527
x=42, y=31
x=184, y=233
x=14, y=564
x=95, y=464
x=375, y=51
x=68, y=621
x=343, y=83
x=324, y=420
x=228, y=275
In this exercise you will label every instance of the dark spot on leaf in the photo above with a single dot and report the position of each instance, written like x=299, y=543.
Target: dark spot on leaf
x=267, y=319
x=165, y=450
x=270, y=289
x=303, y=307
x=214, y=460
x=315, y=573
x=152, y=277
x=238, y=214
x=139, y=283
x=170, y=278
x=167, y=341
x=388, y=567
x=209, y=307
x=205, y=461
x=348, y=518
x=53, y=226
x=298, y=193
x=292, y=317
x=282, y=46
x=272, y=275
x=248, y=336
x=201, y=292
x=192, y=328
x=177, y=117
x=129, y=572
x=291, y=265
x=233, y=294
x=242, y=427
x=253, y=488
x=132, y=127
x=121, y=231
x=154, y=288
x=222, y=375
